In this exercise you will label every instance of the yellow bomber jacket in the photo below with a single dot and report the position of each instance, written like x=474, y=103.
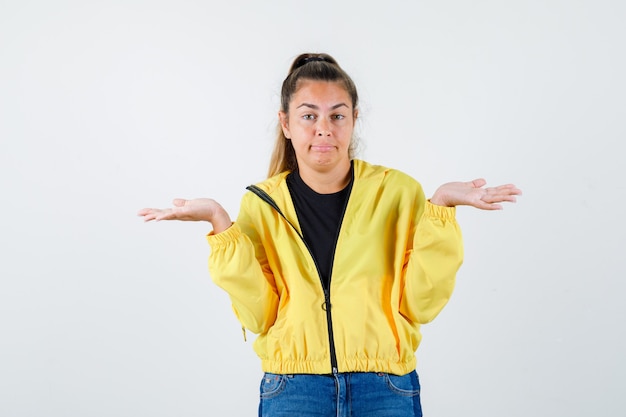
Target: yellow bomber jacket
x=394, y=268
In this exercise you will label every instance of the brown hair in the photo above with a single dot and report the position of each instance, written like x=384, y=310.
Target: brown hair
x=316, y=67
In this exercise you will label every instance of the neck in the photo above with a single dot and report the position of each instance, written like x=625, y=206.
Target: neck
x=327, y=182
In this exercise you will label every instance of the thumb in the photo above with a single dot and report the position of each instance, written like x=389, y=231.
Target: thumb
x=477, y=183
x=179, y=202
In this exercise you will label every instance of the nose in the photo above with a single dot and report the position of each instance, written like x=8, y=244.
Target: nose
x=322, y=128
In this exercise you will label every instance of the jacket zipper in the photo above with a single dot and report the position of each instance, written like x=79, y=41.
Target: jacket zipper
x=326, y=306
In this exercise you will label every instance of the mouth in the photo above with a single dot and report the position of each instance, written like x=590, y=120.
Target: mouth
x=322, y=148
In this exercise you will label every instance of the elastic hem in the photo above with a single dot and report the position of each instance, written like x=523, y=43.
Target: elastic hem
x=227, y=236
x=322, y=367
x=439, y=212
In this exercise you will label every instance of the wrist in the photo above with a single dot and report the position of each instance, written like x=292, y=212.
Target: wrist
x=439, y=199
x=221, y=221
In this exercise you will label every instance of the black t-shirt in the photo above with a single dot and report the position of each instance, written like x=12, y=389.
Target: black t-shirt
x=320, y=217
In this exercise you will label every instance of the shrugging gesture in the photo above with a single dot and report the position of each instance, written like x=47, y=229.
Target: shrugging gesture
x=338, y=272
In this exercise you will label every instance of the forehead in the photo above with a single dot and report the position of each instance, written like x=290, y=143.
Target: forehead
x=321, y=92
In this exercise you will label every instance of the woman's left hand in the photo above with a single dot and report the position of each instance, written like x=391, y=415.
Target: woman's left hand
x=473, y=193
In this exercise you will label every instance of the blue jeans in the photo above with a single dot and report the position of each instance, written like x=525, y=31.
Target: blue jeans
x=365, y=394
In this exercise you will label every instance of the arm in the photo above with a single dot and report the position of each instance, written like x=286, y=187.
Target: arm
x=437, y=252
x=236, y=264
x=431, y=264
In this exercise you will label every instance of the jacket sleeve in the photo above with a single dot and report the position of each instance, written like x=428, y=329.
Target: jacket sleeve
x=431, y=264
x=238, y=265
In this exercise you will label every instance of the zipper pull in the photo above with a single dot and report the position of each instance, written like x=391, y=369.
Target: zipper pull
x=326, y=304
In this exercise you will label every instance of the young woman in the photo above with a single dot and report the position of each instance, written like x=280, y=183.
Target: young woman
x=334, y=262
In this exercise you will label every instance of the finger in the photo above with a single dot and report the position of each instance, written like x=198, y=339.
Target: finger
x=488, y=206
x=165, y=215
x=510, y=188
x=494, y=207
x=148, y=217
x=498, y=198
x=477, y=183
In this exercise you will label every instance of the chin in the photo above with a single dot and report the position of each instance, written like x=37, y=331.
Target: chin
x=325, y=161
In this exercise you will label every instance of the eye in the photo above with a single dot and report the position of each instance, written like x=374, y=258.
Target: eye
x=308, y=117
x=339, y=116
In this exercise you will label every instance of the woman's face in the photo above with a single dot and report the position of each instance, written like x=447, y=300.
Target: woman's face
x=320, y=124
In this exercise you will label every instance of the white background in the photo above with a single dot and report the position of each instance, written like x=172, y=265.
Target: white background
x=108, y=107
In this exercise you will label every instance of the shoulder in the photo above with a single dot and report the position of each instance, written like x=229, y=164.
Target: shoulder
x=271, y=184
x=384, y=176
x=391, y=190
x=275, y=187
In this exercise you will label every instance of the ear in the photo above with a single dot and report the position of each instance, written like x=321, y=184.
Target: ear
x=284, y=123
x=355, y=116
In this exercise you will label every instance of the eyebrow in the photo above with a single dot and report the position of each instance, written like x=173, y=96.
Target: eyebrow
x=315, y=107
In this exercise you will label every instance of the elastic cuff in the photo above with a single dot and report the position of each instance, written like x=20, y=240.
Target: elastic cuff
x=439, y=212
x=229, y=235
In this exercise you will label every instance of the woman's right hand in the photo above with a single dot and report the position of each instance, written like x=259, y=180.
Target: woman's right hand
x=198, y=209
